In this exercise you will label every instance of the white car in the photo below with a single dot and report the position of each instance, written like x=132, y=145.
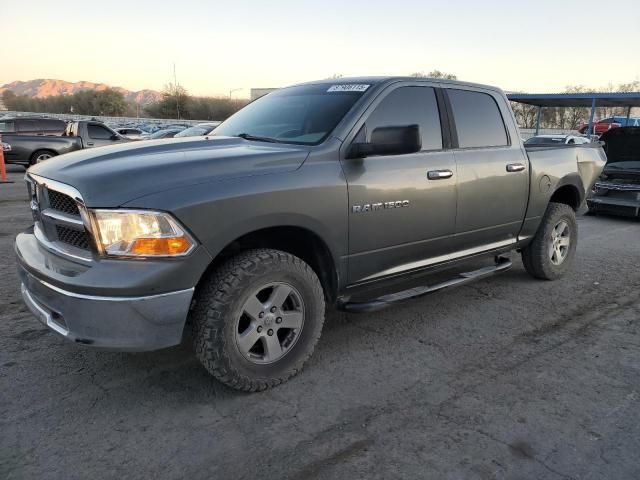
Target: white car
x=133, y=133
x=556, y=139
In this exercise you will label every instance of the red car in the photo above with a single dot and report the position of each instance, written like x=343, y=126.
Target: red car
x=600, y=127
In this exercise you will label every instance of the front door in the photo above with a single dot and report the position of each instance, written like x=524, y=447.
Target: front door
x=400, y=216
x=99, y=135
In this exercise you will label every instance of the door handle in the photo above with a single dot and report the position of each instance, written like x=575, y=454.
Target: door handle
x=439, y=174
x=89, y=144
x=515, y=167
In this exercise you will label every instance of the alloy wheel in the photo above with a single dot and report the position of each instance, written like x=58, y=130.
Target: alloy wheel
x=270, y=324
x=560, y=242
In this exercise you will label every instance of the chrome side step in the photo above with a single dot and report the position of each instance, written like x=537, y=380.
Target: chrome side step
x=501, y=265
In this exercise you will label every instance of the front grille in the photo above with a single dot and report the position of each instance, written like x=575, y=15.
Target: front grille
x=57, y=218
x=62, y=203
x=70, y=236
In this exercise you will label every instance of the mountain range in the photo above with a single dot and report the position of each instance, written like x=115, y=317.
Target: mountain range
x=45, y=87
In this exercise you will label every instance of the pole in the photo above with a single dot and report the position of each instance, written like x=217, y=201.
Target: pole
x=593, y=112
x=538, y=120
x=175, y=90
x=626, y=124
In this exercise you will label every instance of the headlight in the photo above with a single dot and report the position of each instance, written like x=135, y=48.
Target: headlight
x=140, y=233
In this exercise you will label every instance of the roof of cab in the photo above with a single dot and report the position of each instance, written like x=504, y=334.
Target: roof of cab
x=377, y=80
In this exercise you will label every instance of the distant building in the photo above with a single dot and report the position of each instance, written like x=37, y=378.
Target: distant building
x=260, y=92
x=2, y=107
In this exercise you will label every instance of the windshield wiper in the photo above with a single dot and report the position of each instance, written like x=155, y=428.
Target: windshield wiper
x=248, y=136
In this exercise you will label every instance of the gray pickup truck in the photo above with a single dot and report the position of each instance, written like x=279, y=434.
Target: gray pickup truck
x=342, y=192
x=31, y=149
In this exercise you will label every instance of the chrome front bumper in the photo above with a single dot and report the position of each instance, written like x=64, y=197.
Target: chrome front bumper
x=116, y=323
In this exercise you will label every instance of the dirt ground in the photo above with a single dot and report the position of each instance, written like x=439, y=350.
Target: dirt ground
x=509, y=378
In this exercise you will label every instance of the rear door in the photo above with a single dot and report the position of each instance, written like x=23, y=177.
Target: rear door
x=493, y=171
x=399, y=218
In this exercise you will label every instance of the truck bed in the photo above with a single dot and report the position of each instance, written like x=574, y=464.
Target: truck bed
x=24, y=146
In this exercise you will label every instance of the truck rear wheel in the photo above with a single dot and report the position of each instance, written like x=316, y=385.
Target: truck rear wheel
x=40, y=156
x=551, y=252
x=257, y=319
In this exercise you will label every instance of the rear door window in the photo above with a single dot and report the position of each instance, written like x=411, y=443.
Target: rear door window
x=7, y=127
x=410, y=106
x=98, y=132
x=52, y=125
x=478, y=119
x=27, y=126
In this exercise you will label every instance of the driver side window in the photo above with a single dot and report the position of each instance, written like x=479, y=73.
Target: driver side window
x=98, y=132
x=409, y=106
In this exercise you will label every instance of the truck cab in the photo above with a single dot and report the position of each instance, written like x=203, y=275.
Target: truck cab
x=94, y=134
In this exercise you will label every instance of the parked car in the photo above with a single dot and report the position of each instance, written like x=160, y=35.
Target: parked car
x=32, y=126
x=557, y=139
x=341, y=192
x=32, y=149
x=600, y=126
x=627, y=122
x=198, y=130
x=165, y=133
x=618, y=190
x=133, y=133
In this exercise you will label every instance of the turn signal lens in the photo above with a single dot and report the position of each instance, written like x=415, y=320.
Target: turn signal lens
x=140, y=233
x=160, y=246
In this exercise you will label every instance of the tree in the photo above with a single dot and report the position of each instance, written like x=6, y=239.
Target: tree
x=526, y=115
x=435, y=74
x=574, y=116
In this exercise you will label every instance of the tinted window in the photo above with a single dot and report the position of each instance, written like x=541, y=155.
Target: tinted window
x=7, y=126
x=478, y=119
x=305, y=114
x=52, y=125
x=27, y=126
x=410, y=106
x=98, y=132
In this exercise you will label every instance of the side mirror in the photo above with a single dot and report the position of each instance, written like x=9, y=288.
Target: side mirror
x=115, y=136
x=389, y=141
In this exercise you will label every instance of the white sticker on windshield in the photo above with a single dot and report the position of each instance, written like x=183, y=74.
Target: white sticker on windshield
x=348, y=87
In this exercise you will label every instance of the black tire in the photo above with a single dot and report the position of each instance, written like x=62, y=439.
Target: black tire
x=219, y=308
x=38, y=154
x=537, y=257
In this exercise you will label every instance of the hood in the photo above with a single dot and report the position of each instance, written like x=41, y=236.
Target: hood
x=111, y=176
x=622, y=144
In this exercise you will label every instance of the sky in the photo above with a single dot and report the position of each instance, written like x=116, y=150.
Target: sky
x=533, y=46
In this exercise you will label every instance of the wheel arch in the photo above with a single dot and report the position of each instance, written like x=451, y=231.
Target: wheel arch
x=569, y=191
x=296, y=240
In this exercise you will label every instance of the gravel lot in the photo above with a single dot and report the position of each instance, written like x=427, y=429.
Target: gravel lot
x=507, y=378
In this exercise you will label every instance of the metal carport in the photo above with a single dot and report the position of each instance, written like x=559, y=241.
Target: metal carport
x=591, y=99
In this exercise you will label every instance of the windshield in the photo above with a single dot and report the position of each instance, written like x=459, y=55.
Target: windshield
x=302, y=115
x=623, y=165
x=161, y=134
x=544, y=140
x=196, y=131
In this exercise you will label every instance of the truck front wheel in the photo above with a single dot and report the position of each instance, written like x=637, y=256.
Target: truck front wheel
x=257, y=318
x=551, y=252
